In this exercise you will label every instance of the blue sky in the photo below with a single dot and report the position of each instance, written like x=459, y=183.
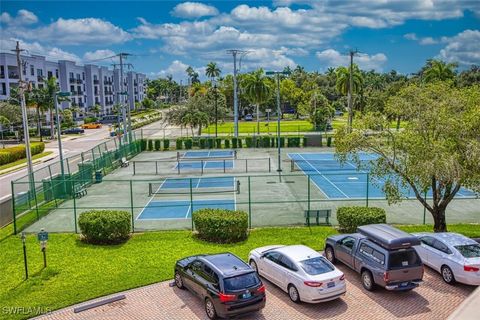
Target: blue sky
x=167, y=36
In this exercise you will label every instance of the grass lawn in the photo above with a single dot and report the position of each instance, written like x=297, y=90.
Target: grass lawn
x=23, y=161
x=77, y=272
x=265, y=127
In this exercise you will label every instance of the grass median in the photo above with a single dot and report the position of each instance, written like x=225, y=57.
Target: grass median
x=77, y=271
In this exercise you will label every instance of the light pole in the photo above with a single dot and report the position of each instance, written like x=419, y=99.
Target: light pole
x=277, y=74
x=59, y=132
x=216, y=110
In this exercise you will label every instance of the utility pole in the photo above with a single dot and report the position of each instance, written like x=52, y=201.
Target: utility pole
x=22, y=86
x=234, y=53
x=350, y=91
x=127, y=134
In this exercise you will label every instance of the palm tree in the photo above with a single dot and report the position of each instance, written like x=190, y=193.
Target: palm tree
x=95, y=110
x=212, y=71
x=257, y=91
x=437, y=70
x=190, y=73
x=50, y=91
x=343, y=80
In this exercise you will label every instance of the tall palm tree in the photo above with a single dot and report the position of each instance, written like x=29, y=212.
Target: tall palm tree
x=257, y=91
x=438, y=70
x=343, y=80
x=190, y=73
x=212, y=71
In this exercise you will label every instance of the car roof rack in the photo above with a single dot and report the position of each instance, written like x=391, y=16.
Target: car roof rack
x=388, y=237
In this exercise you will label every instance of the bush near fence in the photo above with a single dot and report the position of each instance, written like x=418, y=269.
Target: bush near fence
x=221, y=225
x=349, y=218
x=13, y=154
x=105, y=226
x=188, y=143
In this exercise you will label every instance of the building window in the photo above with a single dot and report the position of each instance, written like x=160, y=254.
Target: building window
x=83, y=75
x=32, y=71
x=49, y=74
x=4, y=89
x=2, y=71
x=56, y=73
x=78, y=76
x=72, y=89
x=71, y=75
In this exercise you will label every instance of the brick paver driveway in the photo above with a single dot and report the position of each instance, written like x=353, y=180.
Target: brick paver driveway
x=433, y=300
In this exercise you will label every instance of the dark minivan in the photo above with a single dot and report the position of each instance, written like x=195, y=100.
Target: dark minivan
x=382, y=254
x=227, y=285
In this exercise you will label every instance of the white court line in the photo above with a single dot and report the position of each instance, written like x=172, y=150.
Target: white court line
x=234, y=195
x=324, y=176
x=151, y=198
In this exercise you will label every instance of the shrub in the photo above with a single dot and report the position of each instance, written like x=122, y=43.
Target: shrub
x=266, y=142
x=349, y=218
x=293, y=142
x=188, y=143
x=282, y=142
x=221, y=225
x=227, y=143
x=329, y=141
x=235, y=143
x=105, y=226
x=249, y=142
x=202, y=143
x=150, y=145
x=166, y=144
x=211, y=143
x=273, y=141
x=178, y=144
x=89, y=119
x=157, y=145
x=143, y=144
x=218, y=143
x=13, y=154
x=240, y=144
x=304, y=141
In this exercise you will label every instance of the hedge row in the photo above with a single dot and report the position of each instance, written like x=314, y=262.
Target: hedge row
x=221, y=225
x=218, y=143
x=349, y=218
x=13, y=154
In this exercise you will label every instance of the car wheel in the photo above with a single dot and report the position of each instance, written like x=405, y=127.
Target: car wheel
x=367, y=280
x=293, y=293
x=253, y=264
x=210, y=309
x=179, y=281
x=447, y=275
x=330, y=255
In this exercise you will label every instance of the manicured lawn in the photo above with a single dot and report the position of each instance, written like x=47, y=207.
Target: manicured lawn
x=77, y=272
x=23, y=161
x=251, y=127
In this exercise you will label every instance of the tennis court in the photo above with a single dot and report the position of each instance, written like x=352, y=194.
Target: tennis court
x=162, y=205
x=209, y=154
x=204, y=165
x=345, y=180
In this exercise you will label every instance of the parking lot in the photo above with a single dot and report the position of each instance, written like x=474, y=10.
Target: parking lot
x=432, y=300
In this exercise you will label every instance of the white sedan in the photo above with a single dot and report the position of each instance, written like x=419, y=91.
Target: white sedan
x=455, y=256
x=300, y=271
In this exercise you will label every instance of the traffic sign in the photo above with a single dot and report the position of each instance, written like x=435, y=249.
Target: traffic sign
x=268, y=110
x=42, y=236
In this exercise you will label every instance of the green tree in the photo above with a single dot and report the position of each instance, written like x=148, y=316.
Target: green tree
x=343, y=85
x=95, y=110
x=67, y=118
x=437, y=70
x=318, y=109
x=212, y=71
x=469, y=77
x=437, y=151
x=257, y=91
x=291, y=93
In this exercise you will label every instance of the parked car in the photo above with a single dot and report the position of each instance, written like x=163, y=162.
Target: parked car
x=92, y=125
x=248, y=117
x=227, y=285
x=338, y=113
x=382, y=254
x=455, y=256
x=73, y=131
x=300, y=271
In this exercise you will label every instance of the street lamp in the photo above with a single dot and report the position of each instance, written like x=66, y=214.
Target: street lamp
x=216, y=110
x=277, y=74
x=55, y=97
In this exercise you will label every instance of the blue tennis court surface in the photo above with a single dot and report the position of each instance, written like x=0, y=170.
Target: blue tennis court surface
x=342, y=181
x=204, y=164
x=181, y=209
x=198, y=183
x=209, y=154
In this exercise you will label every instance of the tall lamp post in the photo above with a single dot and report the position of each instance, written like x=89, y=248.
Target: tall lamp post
x=277, y=74
x=59, y=132
x=216, y=110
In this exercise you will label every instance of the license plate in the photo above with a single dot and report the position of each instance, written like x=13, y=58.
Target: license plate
x=404, y=284
x=246, y=295
x=330, y=284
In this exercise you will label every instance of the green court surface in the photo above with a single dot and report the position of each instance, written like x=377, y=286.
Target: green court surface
x=157, y=202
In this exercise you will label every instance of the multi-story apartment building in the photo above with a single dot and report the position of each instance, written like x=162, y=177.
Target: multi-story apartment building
x=88, y=85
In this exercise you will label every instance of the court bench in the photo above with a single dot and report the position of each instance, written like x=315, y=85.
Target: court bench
x=318, y=214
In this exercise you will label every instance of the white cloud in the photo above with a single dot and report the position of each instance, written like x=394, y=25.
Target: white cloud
x=97, y=54
x=428, y=41
x=410, y=36
x=193, y=10
x=463, y=48
x=423, y=41
x=23, y=17
x=51, y=53
x=333, y=58
x=177, y=70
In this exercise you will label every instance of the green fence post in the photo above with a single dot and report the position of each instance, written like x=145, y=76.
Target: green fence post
x=81, y=155
x=93, y=160
x=425, y=208
x=74, y=207
x=308, y=198
x=13, y=208
x=368, y=182
x=68, y=165
x=141, y=133
x=51, y=185
x=249, y=204
x=191, y=201
x=131, y=205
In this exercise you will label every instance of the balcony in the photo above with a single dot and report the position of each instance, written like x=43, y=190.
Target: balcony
x=107, y=83
x=72, y=80
x=40, y=78
x=79, y=92
x=96, y=82
x=79, y=80
x=13, y=75
x=2, y=75
x=73, y=93
x=81, y=104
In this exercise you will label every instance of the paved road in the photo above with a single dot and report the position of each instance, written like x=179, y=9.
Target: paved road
x=433, y=300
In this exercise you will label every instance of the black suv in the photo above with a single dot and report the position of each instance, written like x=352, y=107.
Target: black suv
x=226, y=284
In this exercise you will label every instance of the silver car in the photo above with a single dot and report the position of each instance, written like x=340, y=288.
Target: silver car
x=455, y=256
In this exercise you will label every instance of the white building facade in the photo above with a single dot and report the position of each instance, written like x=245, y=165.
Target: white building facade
x=89, y=85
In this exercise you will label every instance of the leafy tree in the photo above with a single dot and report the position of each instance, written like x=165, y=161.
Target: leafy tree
x=95, y=110
x=257, y=91
x=291, y=93
x=469, y=77
x=12, y=112
x=148, y=103
x=437, y=70
x=438, y=150
x=67, y=118
x=212, y=71
x=343, y=84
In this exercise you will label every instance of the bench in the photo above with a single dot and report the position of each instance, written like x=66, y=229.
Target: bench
x=318, y=214
x=79, y=190
x=124, y=162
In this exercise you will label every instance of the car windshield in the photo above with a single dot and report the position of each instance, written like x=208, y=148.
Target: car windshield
x=404, y=259
x=241, y=282
x=469, y=250
x=316, y=266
